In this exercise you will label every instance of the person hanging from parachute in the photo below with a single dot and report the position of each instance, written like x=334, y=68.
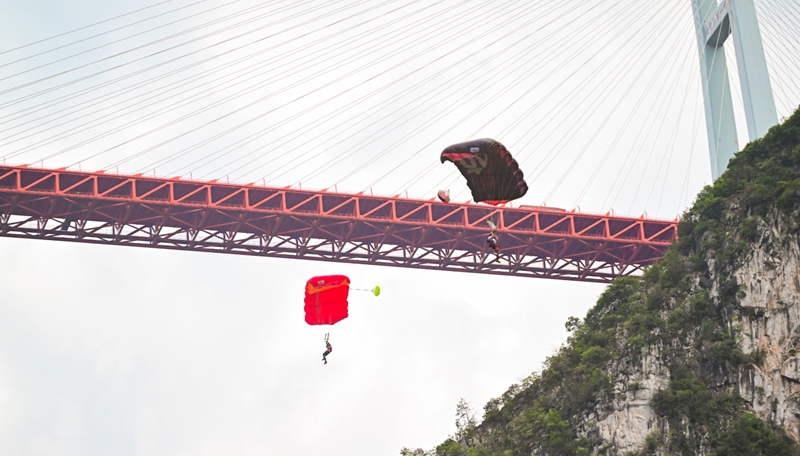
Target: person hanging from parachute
x=326, y=303
x=492, y=175
x=493, y=240
x=328, y=349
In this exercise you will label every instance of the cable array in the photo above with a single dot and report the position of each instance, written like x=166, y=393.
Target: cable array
x=600, y=102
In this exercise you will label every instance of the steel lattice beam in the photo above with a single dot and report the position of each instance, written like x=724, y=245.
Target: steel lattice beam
x=318, y=225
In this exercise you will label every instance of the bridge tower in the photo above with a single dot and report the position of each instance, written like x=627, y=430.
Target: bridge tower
x=714, y=23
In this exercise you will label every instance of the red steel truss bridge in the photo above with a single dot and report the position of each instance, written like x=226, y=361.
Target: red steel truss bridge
x=178, y=214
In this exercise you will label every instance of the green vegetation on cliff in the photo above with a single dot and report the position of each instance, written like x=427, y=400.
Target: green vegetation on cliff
x=669, y=313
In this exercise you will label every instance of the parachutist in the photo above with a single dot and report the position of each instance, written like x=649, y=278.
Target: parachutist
x=328, y=350
x=492, y=241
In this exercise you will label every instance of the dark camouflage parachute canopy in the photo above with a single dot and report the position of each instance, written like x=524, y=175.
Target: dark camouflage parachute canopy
x=492, y=175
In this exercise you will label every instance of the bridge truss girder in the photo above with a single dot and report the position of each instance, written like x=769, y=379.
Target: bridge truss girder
x=317, y=225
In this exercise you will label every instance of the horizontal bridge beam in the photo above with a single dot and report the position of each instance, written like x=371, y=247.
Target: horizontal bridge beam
x=318, y=225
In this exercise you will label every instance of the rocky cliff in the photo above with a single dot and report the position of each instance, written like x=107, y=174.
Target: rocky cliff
x=698, y=356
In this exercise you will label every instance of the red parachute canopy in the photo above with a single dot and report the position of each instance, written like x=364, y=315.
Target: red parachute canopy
x=326, y=299
x=492, y=175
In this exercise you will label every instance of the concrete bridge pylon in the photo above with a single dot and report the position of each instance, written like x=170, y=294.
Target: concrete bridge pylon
x=714, y=23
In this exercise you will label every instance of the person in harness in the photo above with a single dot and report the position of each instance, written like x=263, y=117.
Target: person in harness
x=328, y=350
x=492, y=240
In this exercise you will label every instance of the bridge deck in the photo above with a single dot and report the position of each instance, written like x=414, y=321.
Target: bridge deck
x=96, y=207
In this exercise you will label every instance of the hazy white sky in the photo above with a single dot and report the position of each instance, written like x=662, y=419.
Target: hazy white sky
x=132, y=351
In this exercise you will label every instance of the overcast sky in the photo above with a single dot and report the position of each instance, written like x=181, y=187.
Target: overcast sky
x=113, y=350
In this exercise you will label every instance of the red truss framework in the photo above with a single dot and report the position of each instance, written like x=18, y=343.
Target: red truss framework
x=102, y=208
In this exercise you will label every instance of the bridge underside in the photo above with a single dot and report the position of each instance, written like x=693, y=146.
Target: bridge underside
x=291, y=223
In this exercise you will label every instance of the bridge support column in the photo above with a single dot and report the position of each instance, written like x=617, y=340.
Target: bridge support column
x=714, y=23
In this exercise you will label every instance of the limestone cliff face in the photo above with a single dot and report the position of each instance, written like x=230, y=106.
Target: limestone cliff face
x=769, y=312
x=632, y=418
x=768, y=315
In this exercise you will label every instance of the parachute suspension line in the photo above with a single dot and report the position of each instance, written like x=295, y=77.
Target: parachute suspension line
x=601, y=96
x=675, y=47
x=376, y=290
x=460, y=192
